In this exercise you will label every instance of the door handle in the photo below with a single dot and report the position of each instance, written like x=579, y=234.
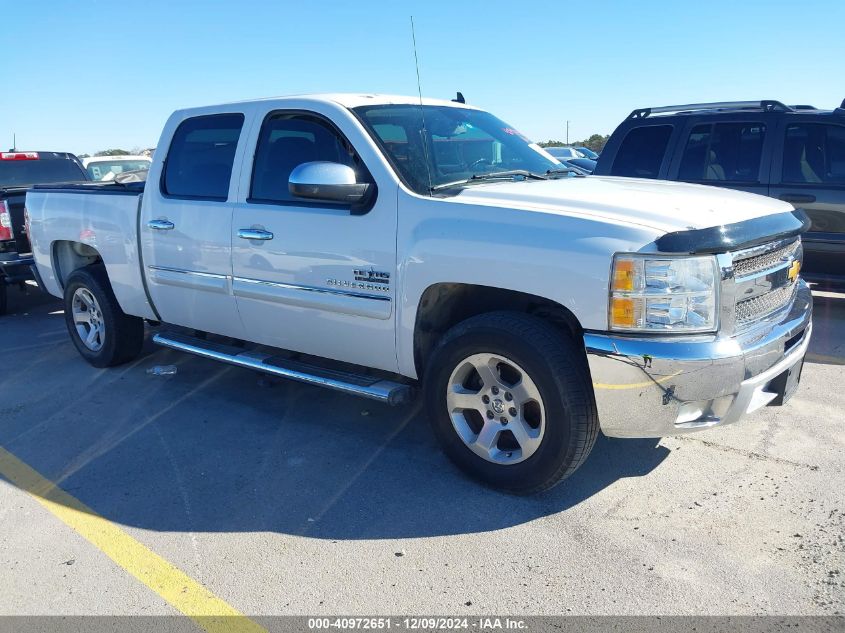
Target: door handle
x=797, y=197
x=255, y=234
x=161, y=225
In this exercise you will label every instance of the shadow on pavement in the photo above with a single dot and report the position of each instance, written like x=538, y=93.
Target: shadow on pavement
x=27, y=298
x=215, y=448
x=827, y=346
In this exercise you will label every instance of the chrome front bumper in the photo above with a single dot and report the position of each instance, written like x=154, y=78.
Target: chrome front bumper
x=658, y=386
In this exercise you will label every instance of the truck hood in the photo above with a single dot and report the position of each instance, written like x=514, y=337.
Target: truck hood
x=657, y=204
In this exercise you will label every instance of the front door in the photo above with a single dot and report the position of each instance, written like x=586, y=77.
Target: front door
x=314, y=277
x=186, y=223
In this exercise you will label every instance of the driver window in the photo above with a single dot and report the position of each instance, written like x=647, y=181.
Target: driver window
x=285, y=142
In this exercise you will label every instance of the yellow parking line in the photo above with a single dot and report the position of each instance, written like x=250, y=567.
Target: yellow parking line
x=179, y=590
x=635, y=385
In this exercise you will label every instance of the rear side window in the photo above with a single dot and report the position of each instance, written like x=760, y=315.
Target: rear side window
x=814, y=153
x=199, y=162
x=723, y=152
x=286, y=141
x=641, y=152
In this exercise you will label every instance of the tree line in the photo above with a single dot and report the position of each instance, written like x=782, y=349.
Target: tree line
x=595, y=142
x=114, y=152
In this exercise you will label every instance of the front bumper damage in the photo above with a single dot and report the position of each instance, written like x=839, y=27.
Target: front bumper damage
x=658, y=386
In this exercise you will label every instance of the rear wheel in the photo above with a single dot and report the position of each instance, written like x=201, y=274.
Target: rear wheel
x=511, y=402
x=102, y=333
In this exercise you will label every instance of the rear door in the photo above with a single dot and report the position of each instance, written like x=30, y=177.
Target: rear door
x=733, y=153
x=186, y=222
x=321, y=281
x=809, y=172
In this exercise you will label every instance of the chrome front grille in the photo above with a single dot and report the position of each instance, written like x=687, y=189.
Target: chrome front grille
x=751, y=264
x=761, y=306
x=766, y=280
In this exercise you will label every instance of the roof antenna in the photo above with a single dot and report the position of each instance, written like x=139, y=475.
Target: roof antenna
x=424, y=131
x=459, y=98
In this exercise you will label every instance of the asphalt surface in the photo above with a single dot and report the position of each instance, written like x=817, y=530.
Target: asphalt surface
x=286, y=499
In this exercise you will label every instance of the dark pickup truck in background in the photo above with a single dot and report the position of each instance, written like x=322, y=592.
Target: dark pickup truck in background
x=18, y=172
x=793, y=153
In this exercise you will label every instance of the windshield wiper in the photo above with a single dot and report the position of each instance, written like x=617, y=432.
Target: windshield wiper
x=563, y=170
x=510, y=173
x=495, y=175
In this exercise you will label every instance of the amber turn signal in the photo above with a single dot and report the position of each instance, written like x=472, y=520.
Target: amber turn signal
x=623, y=275
x=623, y=312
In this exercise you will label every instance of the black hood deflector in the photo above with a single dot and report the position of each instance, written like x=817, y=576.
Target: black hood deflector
x=731, y=237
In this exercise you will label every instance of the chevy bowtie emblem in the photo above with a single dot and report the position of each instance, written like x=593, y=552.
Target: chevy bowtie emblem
x=794, y=269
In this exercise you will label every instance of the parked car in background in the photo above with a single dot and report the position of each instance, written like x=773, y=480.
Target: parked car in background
x=574, y=168
x=587, y=165
x=793, y=153
x=18, y=171
x=572, y=158
x=564, y=153
x=376, y=243
x=587, y=152
x=107, y=167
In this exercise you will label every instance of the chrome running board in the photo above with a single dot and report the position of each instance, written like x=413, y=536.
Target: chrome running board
x=374, y=388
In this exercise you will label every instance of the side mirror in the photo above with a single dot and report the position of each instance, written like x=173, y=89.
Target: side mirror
x=329, y=182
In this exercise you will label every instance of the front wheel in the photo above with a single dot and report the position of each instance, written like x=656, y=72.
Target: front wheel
x=511, y=402
x=103, y=334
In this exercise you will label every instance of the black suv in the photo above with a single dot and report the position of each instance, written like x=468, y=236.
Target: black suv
x=794, y=153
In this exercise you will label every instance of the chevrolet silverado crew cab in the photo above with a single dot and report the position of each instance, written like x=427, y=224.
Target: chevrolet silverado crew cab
x=369, y=243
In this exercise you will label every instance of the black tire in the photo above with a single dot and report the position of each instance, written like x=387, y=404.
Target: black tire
x=558, y=368
x=123, y=335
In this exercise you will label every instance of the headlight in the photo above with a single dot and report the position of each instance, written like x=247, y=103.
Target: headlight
x=670, y=294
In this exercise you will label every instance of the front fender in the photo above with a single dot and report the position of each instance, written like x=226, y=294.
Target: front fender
x=565, y=259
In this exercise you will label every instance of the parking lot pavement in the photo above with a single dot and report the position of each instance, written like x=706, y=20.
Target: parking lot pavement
x=280, y=498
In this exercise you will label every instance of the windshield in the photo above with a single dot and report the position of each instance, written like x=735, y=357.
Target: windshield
x=15, y=173
x=453, y=146
x=107, y=170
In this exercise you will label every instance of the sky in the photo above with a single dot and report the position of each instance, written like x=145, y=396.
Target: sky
x=86, y=76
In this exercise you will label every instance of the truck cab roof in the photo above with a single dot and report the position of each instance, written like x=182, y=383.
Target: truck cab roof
x=347, y=100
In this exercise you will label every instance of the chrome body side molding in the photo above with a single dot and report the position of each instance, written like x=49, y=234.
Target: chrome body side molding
x=330, y=299
x=210, y=282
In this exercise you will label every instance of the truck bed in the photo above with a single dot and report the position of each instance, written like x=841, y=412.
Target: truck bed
x=99, y=215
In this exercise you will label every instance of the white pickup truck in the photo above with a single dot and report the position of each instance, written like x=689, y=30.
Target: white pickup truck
x=369, y=243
